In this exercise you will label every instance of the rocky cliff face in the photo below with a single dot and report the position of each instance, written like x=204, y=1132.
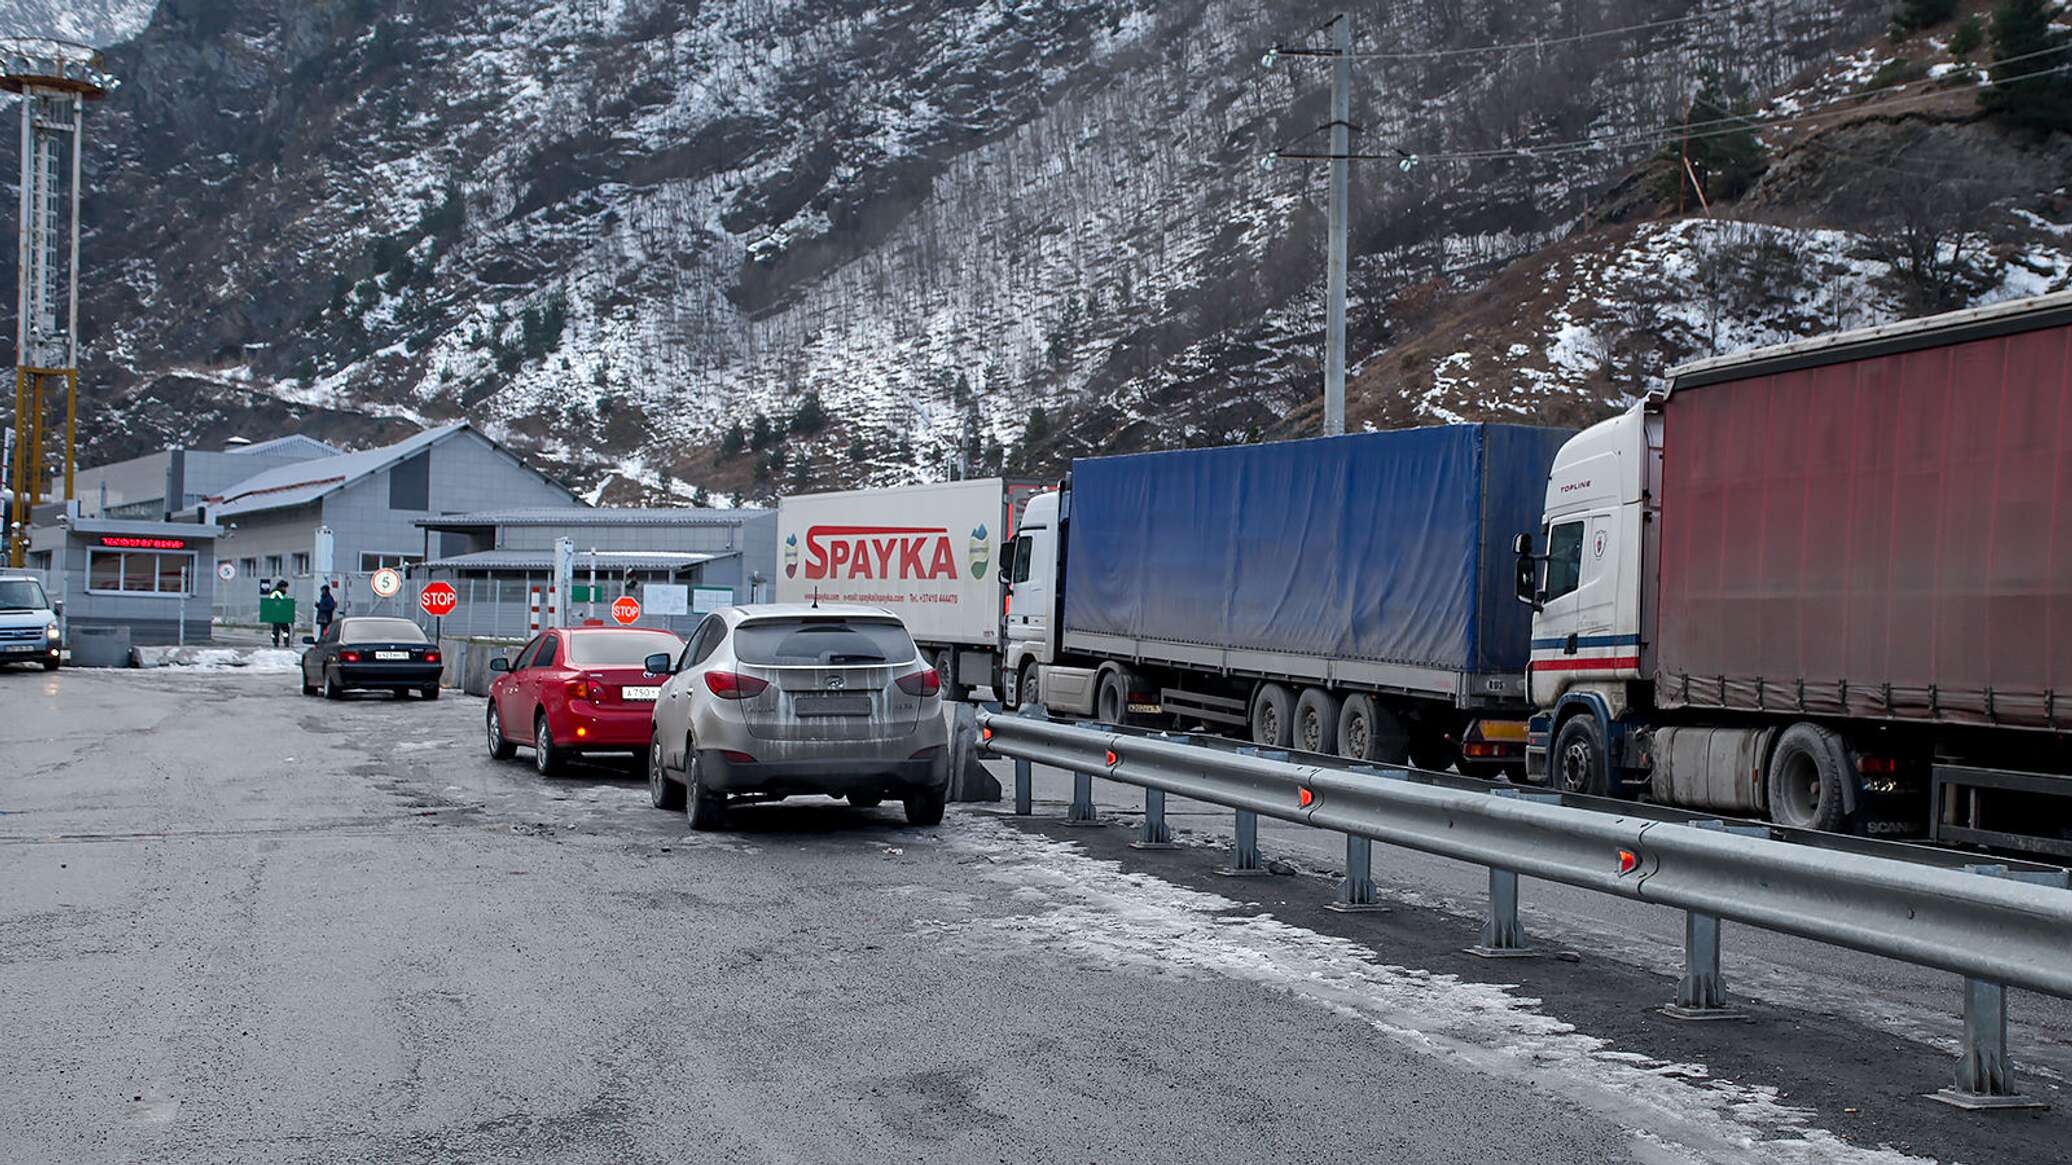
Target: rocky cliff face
x=968, y=233
x=88, y=22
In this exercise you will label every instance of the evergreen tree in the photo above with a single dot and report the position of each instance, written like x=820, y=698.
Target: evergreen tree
x=2022, y=29
x=761, y=432
x=810, y=417
x=1914, y=15
x=700, y=499
x=1726, y=158
x=734, y=441
x=1037, y=430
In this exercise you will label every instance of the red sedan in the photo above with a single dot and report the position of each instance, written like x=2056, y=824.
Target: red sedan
x=577, y=690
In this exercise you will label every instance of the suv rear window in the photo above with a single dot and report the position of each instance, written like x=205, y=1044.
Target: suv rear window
x=823, y=642
x=380, y=631
x=620, y=648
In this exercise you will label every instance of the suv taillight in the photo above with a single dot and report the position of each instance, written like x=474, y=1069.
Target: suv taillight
x=925, y=682
x=734, y=686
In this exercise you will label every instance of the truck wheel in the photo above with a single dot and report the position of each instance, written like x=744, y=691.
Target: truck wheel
x=1578, y=763
x=1806, y=772
x=1431, y=750
x=1273, y=716
x=1369, y=732
x=1112, y=704
x=1316, y=720
x=1024, y=686
x=954, y=693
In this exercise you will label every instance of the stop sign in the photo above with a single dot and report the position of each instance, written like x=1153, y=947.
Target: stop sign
x=438, y=599
x=626, y=609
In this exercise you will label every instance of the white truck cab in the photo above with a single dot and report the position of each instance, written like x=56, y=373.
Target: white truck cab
x=1585, y=571
x=1031, y=602
x=29, y=628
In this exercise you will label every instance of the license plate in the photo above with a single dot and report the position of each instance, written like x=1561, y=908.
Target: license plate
x=392, y=655
x=637, y=693
x=20, y=646
x=832, y=705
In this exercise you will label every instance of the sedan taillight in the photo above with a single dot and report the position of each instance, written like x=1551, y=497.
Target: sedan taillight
x=925, y=682
x=579, y=688
x=734, y=686
x=348, y=657
x=431, y=657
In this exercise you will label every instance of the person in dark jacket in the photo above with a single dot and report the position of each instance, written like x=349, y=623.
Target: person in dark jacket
x=326, y=608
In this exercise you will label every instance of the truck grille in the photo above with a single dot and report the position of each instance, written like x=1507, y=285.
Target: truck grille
x=20, y=634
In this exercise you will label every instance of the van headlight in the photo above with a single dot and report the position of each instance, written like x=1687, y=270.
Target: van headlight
x=52, y=633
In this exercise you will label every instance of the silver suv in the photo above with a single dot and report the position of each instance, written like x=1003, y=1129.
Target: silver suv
x=789, y=699
x=28, y=627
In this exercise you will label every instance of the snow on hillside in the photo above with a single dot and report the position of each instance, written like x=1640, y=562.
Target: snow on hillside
x=91, y=22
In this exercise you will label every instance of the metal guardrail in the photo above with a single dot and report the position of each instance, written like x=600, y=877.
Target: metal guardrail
x=2010, y=930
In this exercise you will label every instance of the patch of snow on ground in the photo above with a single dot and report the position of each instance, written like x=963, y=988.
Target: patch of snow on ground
x=1094, y=910
x=256, y=660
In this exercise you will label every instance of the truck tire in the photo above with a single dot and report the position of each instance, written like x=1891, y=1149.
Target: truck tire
x=1577, y=764
x=1316, y=721
x=954, y=693
x=1807, y=769
x=1369, y=732
x=1273, y=716
x=1112, y=700
x=1024, y=687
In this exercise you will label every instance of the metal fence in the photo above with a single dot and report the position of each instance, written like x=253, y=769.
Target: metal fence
x=2009, y=929
x=487, y=607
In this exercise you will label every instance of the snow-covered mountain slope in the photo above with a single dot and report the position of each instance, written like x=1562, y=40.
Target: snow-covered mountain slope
x=90, y=22
x=981, y=231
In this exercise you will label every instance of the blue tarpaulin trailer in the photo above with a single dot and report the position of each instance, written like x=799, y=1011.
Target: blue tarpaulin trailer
x=1375, y=562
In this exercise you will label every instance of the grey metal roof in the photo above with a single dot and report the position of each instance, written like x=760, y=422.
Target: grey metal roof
x=604, y=560
x=597, y=516
x=306, y=481
x=294, y=444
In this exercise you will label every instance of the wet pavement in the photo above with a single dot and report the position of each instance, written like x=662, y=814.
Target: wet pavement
x=245, y=925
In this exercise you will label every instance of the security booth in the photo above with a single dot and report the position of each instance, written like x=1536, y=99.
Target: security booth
x=156, y=579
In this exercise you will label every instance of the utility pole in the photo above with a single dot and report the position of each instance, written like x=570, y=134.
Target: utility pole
x=1341, y=197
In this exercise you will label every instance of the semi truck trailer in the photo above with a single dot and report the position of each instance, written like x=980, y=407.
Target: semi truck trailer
x=1828, y=582
x=1347, y=595
x=928, y=553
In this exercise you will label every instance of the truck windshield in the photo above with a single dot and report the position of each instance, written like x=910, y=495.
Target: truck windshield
x=22, y=594
x=823, y=642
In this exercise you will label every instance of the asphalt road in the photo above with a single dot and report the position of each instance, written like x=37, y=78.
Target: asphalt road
x=244, y=925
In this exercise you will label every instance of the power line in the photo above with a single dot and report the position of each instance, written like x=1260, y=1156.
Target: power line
x=1518, y=46
x=1720, y=127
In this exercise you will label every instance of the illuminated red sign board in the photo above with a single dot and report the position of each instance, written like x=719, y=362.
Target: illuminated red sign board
x=124, y=542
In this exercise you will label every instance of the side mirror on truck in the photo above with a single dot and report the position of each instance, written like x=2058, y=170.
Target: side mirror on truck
x=1528, y=578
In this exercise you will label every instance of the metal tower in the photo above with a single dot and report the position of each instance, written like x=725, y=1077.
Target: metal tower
x=55, y=80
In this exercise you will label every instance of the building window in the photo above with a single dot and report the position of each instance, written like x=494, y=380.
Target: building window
x=302, y=565
x=145, y=572
x=248, y=567
x=273, y=566
x=370, y=562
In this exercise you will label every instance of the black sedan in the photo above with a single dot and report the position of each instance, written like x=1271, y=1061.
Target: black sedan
x=369, y=654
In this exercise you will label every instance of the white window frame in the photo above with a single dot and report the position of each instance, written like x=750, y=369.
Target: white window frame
x=387, y=559
x=154, y=593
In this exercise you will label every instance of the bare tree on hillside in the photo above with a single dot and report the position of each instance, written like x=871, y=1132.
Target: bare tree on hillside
x=1923, y=210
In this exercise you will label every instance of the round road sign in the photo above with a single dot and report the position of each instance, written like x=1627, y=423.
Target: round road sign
x=626, y=609
x=226, y=571
x=387, y=583
x=438, y=599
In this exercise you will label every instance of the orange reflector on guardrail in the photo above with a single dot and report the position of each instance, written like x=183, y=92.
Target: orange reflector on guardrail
x=1112, y=758
x=1304, y=796
x=986, y=735
x=1628, y=861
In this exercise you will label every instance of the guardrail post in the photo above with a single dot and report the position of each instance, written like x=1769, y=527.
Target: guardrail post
x=1153, y=834
x=1502, y=936
x=1244, y=849
x=1701, y=994
x=1356, y=890
x=1985, y=1072
x=1024, y=788
x=1082, y=808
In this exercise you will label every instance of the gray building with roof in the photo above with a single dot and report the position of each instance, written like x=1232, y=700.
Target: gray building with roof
x=495, y=559
x=371, y=502
x=159, y=485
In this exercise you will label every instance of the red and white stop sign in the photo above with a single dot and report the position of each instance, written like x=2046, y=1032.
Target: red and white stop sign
x=626, y=609
x=438, y=599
